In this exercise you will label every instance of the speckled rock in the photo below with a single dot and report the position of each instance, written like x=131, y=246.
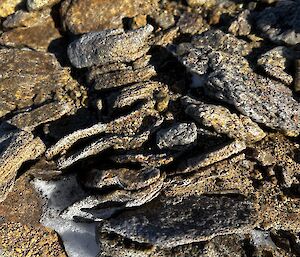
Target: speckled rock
x=37, y=34
x=109, y=46
x=158, y=223
x=276, y=62
x=229, y=78
x=15, y=149
x=241, y=26
x=103, y=14
x=8, y=7
x=39, y=4
x=179, y=135
x=30, y=78
x=26, y=240
x=223, y=121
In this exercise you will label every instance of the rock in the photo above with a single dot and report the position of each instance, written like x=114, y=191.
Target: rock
x=38, y=34
x=30, y=78
x=49, y=112
x=206, y=159
x=18, y=239
x=241, y=26
x=223, y=121
x=8, y=7
x=196, y=219
x=276, y=63
x=195, y=3
x=18, y=148
x=229, y=78
x=145, y=159
x=103, y=14
x=280, y=23
x=164, y=19
x=99, y=207
x=39, y=4
x=179, y=135
x=229, y=176
x=120, y=78
x=109, y=46
x=129, y=95
x=127, y=179
x=192, y=23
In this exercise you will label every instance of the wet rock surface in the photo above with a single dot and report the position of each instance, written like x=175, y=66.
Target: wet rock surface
x=149, y=128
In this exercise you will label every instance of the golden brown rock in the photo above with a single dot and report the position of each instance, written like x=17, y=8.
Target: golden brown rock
x=83, y=16
x=8, y=7
x=25, y=240
x=29, y=78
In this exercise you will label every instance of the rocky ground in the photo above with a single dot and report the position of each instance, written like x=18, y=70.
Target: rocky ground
x=149, y=128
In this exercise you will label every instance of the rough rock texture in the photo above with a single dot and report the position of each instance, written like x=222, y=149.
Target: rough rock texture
x=31, y=78
x=181, y=134
x=103, y=14
x=39, y=4
x=156, y=224
x=15, y=150
x=8, y=7
x=229, y=78
x=98, y=48
x=224, y=122
x=39, y=35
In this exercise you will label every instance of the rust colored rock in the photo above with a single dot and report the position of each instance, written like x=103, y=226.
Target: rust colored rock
x=102, y=14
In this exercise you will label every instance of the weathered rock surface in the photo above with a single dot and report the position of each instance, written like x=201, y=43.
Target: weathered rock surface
x=30, y=78
x=223, y=121
x=37, y=31
x=8, y=7
x=103, y=14
x=276, y=62
x=158, y=223
x=39, y=4
x=18, y=148
x=109, y=46
x=229, y=78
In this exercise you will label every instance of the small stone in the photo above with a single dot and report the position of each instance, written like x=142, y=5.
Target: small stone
x=195, y=3
x=103, y=14
x=179, y=135
x=39, y=4
x=192, y=23
x=109, y=46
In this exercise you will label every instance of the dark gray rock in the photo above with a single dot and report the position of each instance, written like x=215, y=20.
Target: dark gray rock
x=171, y=221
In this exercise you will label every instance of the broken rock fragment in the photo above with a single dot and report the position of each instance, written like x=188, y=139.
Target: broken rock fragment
x=181, y=134
x=39, y=4
x=109, y=46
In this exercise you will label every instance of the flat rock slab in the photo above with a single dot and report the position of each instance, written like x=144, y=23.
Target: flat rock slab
x=167, y=222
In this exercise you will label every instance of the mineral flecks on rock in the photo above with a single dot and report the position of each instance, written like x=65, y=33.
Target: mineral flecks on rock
x=30, y=78
x=223, y=121
x=229, y=78
x=103, y=14
x=18, y=148
x=109, y=46
x=181, y=134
